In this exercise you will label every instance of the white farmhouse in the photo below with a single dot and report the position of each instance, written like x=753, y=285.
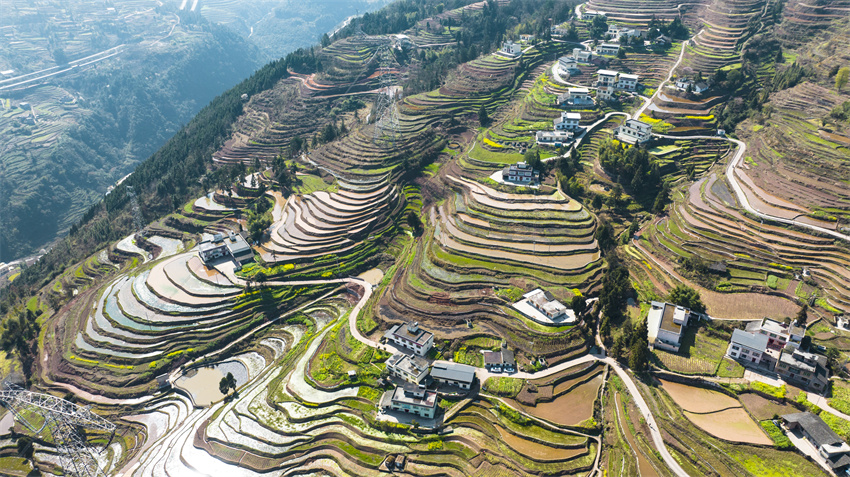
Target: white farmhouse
x=575, y=97
x=666, y=323
x=410, y=336
x=627, y=82
x=608, y=49
x=567, y=65
x=606, y=78
x=553, y=138
x=511, y=49
x=634, y=132
x=567, y=122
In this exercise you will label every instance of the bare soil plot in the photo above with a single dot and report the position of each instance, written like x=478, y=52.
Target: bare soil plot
x=762, y=408
x=568, y=409
x=696, y=399
x=537, y=451
x=732, y=425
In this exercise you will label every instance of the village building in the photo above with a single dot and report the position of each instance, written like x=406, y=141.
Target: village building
x=778, y=333
x=511, y=49
x=750, y=349
x=634, y=132
x=401, y=41
x=686, y=84
x=410, y=398
x=501, y=361
x=459, y=375
x=410, y=336
x=576, y=97
x=627, y=82
x=413, y=369
x=527, y=38
x=666, y=323
x=606, y=78
x=829, y=445
x=804, y=369
x=218, y=246
x=213, y=248
x=588, y=14
x=567, y=122
x=582, y=56
x=238, y=248
x=558, y=30
x=605, y=93
x=662, y=40
x=553, y=138
x=608, y=49
x=567, y=65
x=521, y=173
x=545, y=303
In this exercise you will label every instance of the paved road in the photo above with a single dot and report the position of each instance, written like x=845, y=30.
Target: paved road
x=661, y=86
x=742, y=197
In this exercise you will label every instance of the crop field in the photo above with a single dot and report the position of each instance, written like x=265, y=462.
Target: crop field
x=698, y=400
x=762, y=408
x=732, y=425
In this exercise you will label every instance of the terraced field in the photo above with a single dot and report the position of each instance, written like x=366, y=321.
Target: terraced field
x=795, y=160
x=705, y=221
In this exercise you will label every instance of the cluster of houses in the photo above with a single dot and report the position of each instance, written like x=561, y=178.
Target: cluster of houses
x=767, y=345
x=775, y=346
x=234, y=246
x=830, y=447
x=414, y=396
x=564, y=129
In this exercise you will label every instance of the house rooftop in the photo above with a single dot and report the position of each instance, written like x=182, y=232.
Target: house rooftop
x=453, y=372
x=818, y=430
x=773, y=326
x=407, y=394
x=608, y=45
x=410, y=332
x=750, y=340
x=407, y=363
x=578, y=90
x=628, y=76
x=606, y=73
x=570, y=116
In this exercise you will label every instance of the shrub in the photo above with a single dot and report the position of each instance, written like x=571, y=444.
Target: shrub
x=777, y=392
x=780, y=440
x=772, y=281
x=512, y=415
x=503, y=386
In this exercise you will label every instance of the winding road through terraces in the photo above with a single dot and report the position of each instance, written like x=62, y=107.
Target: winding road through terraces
x=742, y=197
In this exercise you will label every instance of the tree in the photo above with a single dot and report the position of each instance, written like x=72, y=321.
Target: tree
x=596, y=203
x=483, y=117
x=414, y=423
x=686, y=296
x=578, y=304
x=415, y=223
x=842, y=77
x=639, y=356
x=802, y=315
x=621, y=53
x=25, y=448
x=227, y=383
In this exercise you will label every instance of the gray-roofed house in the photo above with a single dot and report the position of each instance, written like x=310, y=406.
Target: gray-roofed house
x=831, y=447
x=666, y=323
x=748, y=348
x=410, y=336
x=410, y=398
x=803, y=368
x=459, y=375
x=500, y=361
x=239, y=248
x=213, y=248
x=779, y=334
x=409, y=368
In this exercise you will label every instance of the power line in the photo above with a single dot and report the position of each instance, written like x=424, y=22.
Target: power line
x=62, y=420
